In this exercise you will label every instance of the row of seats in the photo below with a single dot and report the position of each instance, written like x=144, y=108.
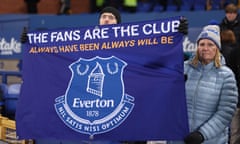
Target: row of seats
x=183, y=5
x=10, y=95
x=146, y=7
x=167, y=5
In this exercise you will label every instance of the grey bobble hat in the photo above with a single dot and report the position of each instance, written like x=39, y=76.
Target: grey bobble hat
x=112, y=10
x=211, y=32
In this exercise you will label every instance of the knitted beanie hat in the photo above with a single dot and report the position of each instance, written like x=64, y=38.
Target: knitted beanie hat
x=211, y=32
x=112, y=10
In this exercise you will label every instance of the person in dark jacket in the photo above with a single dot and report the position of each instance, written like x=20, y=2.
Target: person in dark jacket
x=231, y=21
x=231, y=52
x=235, y=125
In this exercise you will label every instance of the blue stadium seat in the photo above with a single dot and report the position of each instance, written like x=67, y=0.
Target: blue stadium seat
x=199, y=8
x=4, y=90
x=14, y=88
x=185, y=7
x=171, y=8
x=157, y=8
x=143, y=7
x=10, y=100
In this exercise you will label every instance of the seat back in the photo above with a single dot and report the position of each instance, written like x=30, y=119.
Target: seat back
x=3, y=93
x=10, y=100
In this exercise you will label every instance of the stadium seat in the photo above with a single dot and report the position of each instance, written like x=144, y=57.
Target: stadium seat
x=4, y=89
x=14, y=88
x=143, y=7
x=10, y=100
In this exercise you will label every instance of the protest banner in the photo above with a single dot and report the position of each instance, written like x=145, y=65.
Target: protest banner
x=112, y=82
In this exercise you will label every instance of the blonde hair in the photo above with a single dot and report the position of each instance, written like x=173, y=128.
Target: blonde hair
x=217, y=59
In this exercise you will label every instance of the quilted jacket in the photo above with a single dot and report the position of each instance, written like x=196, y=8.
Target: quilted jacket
x=211, y=95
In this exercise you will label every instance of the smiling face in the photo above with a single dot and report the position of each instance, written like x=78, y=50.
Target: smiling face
x=207, y=51
x=107, y=18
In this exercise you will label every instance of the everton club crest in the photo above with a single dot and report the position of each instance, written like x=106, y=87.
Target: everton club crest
x=95, y=100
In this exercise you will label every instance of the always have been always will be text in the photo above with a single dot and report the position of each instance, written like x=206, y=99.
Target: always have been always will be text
x=102, y=38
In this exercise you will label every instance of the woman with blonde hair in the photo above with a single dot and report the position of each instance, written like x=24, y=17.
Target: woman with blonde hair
x=211, y=91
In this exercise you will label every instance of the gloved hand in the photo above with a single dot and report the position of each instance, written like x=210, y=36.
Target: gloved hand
x=194, y=138
x=183, y=26
x=185, y=77
x=24, y=37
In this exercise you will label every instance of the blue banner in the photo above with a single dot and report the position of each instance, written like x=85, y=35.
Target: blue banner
x=112, y=82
